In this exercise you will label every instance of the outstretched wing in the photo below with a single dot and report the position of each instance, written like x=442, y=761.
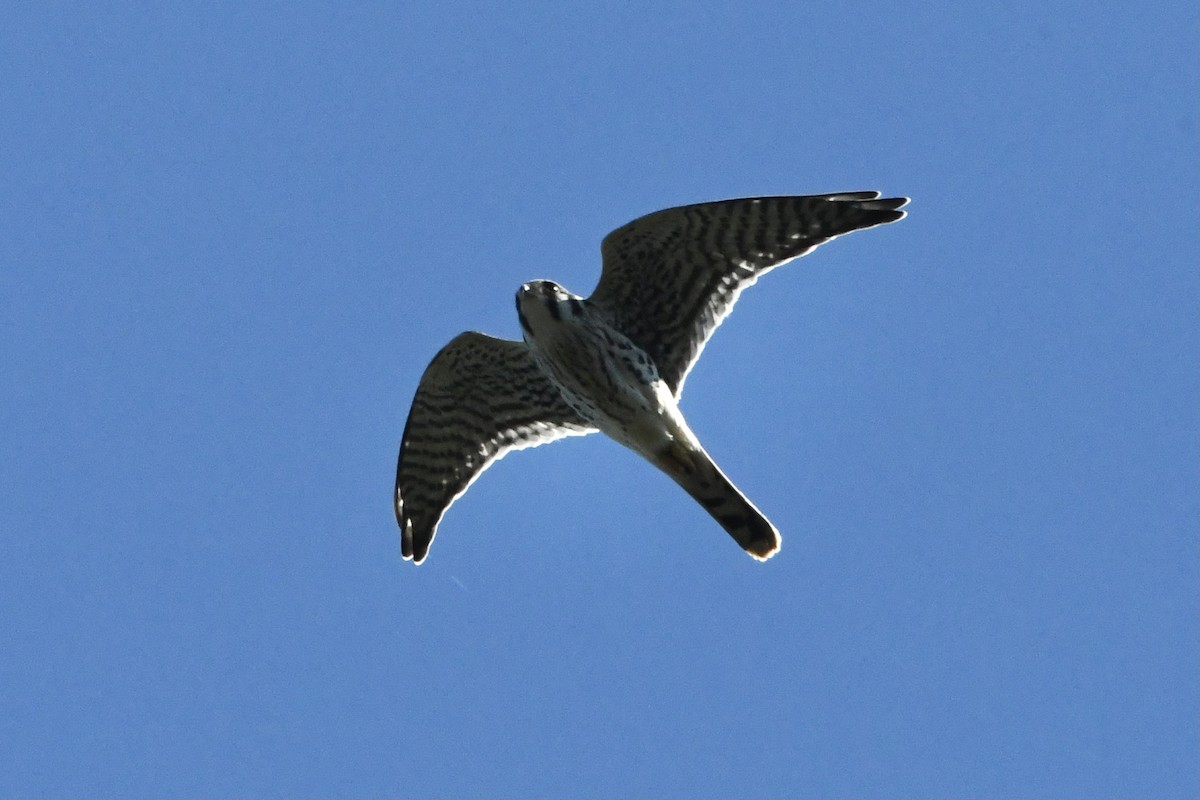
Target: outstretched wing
x=479, y=398
x=671, y=277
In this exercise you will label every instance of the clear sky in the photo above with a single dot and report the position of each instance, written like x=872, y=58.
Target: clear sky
x=232, y=236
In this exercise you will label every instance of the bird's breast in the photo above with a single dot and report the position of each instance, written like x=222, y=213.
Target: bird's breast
x=603, y=375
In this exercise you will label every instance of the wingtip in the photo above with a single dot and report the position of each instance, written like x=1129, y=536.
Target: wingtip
x=886, y=203
x=406, y=531
x=868, y=199
x=883, y=209
x=417, y=555
x=409, y=548
x=406, y=542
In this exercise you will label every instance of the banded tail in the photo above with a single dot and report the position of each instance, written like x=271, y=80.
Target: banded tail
x=700, y=477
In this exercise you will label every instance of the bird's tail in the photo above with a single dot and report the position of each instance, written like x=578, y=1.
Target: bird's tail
x=695, y=471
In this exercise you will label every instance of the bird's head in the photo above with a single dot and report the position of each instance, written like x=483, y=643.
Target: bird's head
x=540, y=303
x=541, y=290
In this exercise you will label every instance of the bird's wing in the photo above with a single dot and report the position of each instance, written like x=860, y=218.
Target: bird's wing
x=671, y=277
x=479, y=398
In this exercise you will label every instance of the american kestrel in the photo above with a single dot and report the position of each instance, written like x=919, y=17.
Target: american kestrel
x=616, y=361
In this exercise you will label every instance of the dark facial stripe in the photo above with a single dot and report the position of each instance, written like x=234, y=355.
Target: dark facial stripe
x=555, y=311
x=524, y=322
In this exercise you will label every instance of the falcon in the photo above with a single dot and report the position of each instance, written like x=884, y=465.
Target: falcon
x=615, y=361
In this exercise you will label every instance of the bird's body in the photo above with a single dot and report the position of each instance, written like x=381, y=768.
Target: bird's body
x=614, y=362
x=610, y=381
x=614, y=385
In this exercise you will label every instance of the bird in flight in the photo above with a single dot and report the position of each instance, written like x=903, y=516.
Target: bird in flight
x=615, y=361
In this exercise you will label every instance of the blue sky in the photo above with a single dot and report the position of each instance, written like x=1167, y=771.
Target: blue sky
x=233, y=235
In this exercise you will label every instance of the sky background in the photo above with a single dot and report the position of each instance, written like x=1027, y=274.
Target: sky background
x=233, y=235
